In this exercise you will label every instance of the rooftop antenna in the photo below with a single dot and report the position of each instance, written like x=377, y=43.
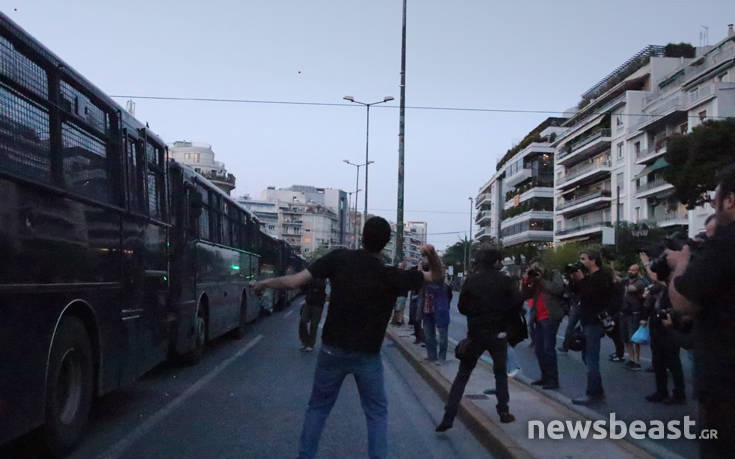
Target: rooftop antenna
x=130, y=107
x=704, y=36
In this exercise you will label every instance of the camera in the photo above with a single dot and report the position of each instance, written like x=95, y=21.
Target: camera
x=571, y=268
x=674, y=242
x=662, y=313
x=608, y=323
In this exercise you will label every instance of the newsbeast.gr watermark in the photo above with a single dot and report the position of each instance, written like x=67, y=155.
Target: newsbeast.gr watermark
x=617, y=429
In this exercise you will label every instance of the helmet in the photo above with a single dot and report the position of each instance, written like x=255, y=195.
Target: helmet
x=575, y=341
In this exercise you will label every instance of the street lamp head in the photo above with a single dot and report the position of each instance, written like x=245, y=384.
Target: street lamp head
x=350, y=98
x=370, y=162
x=387, y=99
x=346, y=161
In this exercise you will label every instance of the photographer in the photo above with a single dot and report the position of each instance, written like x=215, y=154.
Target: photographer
x=595, y=290
x=631, y=315
x=572, y=303
x=703, y=288
x=544, y=290
x=665, y=343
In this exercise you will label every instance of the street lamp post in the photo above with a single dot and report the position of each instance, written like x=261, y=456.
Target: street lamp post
x=367, y=143
x=357, y=182
x=469, y=242
x=352, y=221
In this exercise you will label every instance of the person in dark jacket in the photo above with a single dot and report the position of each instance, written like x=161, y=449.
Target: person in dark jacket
x=665, y=345
x=487, y=298
x=311, y=313
x=595, y=290
x=544, y=291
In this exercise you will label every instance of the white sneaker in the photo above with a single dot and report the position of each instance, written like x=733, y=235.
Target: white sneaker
x=514, y=372
x=302, y=348
x=308, y=349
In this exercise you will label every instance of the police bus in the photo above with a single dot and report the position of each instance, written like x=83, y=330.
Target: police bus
x=112, y=257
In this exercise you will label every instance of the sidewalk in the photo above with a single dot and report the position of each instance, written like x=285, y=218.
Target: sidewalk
x=477, y=411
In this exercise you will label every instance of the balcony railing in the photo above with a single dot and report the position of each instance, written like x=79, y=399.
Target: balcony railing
x=576, y=172
x=584, y=140
x=482, y=214
x=584, y=198
x=651, y=185
x=582, y=227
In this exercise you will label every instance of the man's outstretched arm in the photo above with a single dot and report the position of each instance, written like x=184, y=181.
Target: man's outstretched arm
x=284, y=282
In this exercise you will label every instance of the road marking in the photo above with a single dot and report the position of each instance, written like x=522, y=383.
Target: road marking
x=288, y=314
x=121, y=446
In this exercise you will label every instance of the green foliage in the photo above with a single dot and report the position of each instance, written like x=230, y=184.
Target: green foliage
x=560, y=256
x=630, y=241
x=696, y=157
x=454, y=254
x=528, y=251
x=679, y=50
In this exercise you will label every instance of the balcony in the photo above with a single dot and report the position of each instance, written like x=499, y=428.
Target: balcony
x=518, y=177
x=581, y=230
x=482, y=199
x=653, y=188
x=535, y=214
x=676, y=218
x=584, y=201
x=646, y=155
x=660, y=109
x=483, y=233
x=587, y=171
x=590, y=142
x=482, y=216
x=528, y=236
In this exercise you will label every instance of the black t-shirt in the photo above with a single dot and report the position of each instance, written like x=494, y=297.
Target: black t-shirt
x=595, y=292
x=709, y=281
x=364, y=292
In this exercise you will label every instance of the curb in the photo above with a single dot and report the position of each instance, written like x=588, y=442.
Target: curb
x=487, y=432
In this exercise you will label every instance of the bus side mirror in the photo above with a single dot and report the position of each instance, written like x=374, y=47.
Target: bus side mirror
x=195, y=202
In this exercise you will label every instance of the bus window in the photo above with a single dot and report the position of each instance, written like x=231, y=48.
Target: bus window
x=22, y=70
x=76, y=103
x=24, y=138
x=136, y=186
x=85, y=164
x=154, y=179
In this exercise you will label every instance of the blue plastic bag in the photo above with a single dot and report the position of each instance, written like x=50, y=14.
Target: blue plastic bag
x=641, y=336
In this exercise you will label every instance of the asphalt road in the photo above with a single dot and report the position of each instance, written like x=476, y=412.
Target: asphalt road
x=247, y=399
x=625, y=390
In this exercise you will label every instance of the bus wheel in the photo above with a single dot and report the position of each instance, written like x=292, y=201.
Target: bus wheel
x=239, y=332
x=69, y=386
x=200, y=338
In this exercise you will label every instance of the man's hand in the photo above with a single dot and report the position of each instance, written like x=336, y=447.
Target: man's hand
x=257, y=287
x=667, y=322
x=678, y=259
x=578, y=275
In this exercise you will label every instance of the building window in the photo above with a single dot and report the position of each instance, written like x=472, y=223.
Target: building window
x=637, y=147
x=637, y=214
x=619, y=121
x=620, y=150
x=620, y=182
x=702, y=115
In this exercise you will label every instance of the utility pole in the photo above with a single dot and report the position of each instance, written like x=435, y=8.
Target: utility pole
x=401, y=139
x=469, y=241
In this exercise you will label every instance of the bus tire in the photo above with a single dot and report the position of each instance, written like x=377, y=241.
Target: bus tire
x=69, y=387
x=200, y=338
x=239, y=332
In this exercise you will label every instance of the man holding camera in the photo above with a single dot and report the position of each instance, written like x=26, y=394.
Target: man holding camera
x=544, y=290
x=595, y=290
x=703, y=288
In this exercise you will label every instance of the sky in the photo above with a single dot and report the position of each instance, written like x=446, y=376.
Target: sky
x=522, y=55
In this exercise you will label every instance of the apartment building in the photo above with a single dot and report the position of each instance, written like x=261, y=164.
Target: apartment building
x=515, y=207
x=200, y=157
x=414, y=236
x=593, y=165
x=698, y=89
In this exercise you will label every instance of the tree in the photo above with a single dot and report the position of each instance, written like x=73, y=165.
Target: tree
x=696, y=157
x=454, y=255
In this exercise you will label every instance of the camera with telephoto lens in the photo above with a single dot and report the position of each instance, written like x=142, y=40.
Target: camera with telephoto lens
x=674, y=242
x=608, y=323
x=662, y=313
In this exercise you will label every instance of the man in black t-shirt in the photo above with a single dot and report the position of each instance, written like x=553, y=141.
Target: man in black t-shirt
x=363, y=294
x=703, y=288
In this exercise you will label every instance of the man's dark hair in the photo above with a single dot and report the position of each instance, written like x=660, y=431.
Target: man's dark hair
x=375, y=234
x=487, y=256
x=594, y=256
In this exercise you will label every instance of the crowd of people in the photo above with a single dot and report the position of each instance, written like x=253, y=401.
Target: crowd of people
x=684, y=297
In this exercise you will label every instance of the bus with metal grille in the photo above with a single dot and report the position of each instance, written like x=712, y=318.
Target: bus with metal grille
x=112, y=257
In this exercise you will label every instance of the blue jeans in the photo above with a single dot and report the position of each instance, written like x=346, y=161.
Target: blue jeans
x=332, y=365
x=430, y=337
x=591, y=355
x=512, y=362
x=546, y=350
